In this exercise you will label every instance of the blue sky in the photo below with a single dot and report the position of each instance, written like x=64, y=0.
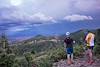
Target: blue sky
x=21, y=19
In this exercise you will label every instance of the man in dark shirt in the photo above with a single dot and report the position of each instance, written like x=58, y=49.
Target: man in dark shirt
x=69, y=48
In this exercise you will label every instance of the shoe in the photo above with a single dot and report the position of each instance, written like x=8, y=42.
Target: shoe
x=72, y=62
x=69, y=62
x=88, y=61
x=91, y=62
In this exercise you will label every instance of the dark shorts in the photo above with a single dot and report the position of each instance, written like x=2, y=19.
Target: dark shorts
x=69, y=50
x=90, y=47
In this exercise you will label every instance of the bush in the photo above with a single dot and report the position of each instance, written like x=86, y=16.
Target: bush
x=7, y=60
x=29, y=58
x=20, y=62
x=97, y=49
x=50, y=57
x=78, y=50
x=57, y=54
x=44, y=63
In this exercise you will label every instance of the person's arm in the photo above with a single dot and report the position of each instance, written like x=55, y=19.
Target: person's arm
x=64, y=45
x=85, y=42
x=86, y=38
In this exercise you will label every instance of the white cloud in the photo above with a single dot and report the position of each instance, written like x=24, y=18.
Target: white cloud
x=25, y=17
x=87, y=5
x=17, y=29
x=51, y=10
x=77, y=17
x=55, y=8
x=41, y=17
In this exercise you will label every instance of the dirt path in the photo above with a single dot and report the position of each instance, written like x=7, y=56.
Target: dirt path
x=80, y=62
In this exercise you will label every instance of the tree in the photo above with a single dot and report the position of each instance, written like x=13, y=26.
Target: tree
x=29, y=58
x=4, y=41
x=7, y=58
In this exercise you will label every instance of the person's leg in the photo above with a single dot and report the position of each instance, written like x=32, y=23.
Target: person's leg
x=68, y=59
x=68, y=56
x=72, y=57
x=88, y=53
x=71, y=49
x=91, y=55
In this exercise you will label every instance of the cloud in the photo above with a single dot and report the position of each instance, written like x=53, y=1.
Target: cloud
x=14, y=15
x=50, y=10
x=87, y=5
x=77, y=17
x=17, y=29
x=41, y=17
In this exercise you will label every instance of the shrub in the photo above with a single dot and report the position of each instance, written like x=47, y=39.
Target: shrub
x=20, y=62
x=57, y=54
x=29, y=58
x=78, y=50
x=44, y=63
x=97, y=49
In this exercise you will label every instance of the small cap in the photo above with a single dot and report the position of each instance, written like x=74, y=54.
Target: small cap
x=67, y=33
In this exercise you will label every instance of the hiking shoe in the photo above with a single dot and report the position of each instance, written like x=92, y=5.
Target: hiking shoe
x=91, y=62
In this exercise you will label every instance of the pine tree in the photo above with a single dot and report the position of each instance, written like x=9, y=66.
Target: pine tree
x=4, y=41
x=29, y=58
x=7, y=58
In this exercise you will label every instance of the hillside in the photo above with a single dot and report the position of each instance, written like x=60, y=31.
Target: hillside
x=43, y=51
x=75, y=35
x=47, y=42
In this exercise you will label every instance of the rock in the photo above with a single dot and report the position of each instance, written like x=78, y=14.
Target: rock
x=80, y=62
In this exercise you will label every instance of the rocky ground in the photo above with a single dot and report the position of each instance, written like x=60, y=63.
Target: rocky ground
x=80, y=62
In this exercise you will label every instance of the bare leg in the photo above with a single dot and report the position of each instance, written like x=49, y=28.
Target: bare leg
x=91, y=56
x=88, y=55
x=68, y=59
x=72, y=58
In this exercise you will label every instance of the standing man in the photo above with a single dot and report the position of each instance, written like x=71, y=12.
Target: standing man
x=90, y=45
x=68, y=44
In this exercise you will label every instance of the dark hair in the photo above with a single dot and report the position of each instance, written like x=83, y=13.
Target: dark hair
x=88, y=31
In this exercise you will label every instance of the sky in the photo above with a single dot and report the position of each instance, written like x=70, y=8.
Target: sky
x=21, y=19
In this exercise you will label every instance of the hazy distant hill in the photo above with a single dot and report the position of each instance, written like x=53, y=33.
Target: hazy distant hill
x=78, y=35
x=43, y=43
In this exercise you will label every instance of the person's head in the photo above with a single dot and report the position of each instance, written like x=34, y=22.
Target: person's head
x=67, y=34
x=89, y=31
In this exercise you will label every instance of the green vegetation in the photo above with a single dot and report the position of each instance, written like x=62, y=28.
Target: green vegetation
x=97, y=46
x=57, y=54
x=78, y=50
x=7, y=58
x=41, y=51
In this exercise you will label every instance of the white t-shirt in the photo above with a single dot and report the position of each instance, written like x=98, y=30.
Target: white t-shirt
x=90, y=39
